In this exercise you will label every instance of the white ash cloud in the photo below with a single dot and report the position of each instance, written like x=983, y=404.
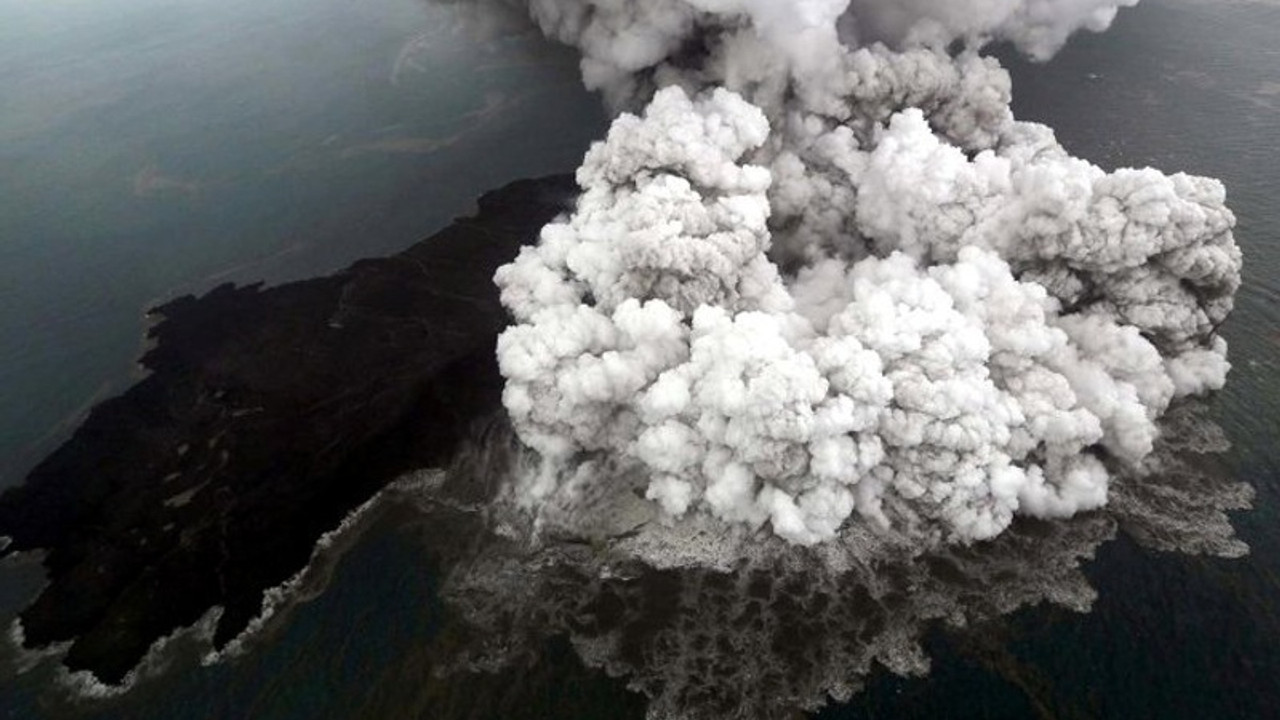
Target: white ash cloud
x=817, y=284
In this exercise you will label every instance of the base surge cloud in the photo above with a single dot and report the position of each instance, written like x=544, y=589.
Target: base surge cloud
x=820, y=280
x=752, y=627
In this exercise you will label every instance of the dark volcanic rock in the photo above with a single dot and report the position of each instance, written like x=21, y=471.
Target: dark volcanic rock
x=268, y=416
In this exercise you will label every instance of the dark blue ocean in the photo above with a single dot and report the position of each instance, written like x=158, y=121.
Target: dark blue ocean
x=160, y=147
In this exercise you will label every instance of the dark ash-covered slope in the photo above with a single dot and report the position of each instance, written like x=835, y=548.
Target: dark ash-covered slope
x=269, y=414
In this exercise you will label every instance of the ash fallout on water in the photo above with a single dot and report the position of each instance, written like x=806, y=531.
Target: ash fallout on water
x=820, y=279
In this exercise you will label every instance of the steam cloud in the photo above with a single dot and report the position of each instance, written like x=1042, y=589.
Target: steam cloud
x=824, y=281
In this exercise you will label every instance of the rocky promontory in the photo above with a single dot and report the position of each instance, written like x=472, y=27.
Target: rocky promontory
x=267, y=416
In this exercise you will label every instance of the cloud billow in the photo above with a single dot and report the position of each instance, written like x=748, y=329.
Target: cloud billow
x=821, y=280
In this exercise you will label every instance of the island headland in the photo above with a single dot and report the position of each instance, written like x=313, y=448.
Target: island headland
x=267, y=416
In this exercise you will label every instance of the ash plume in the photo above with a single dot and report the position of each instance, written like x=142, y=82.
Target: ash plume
x=831, y=349
x=825, y=281
x=1037, y=27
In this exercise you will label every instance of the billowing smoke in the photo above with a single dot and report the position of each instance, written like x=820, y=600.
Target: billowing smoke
x=824, y=281
x=1038, y=27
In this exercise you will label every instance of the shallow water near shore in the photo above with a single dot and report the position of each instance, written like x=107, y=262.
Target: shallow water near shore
x=1179, y=84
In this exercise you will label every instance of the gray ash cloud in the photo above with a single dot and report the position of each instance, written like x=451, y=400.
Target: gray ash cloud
x=746, y=625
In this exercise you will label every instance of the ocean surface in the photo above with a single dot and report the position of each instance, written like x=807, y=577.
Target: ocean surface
x=155, y=148
x=160, y=147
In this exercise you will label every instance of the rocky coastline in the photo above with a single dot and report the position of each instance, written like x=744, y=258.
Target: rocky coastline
x=267, y=416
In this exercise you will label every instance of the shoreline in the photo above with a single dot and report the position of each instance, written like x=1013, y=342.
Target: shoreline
x=269, y=414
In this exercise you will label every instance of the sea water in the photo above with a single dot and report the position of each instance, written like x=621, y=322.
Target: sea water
x=1188, y=85
x=154, y=148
